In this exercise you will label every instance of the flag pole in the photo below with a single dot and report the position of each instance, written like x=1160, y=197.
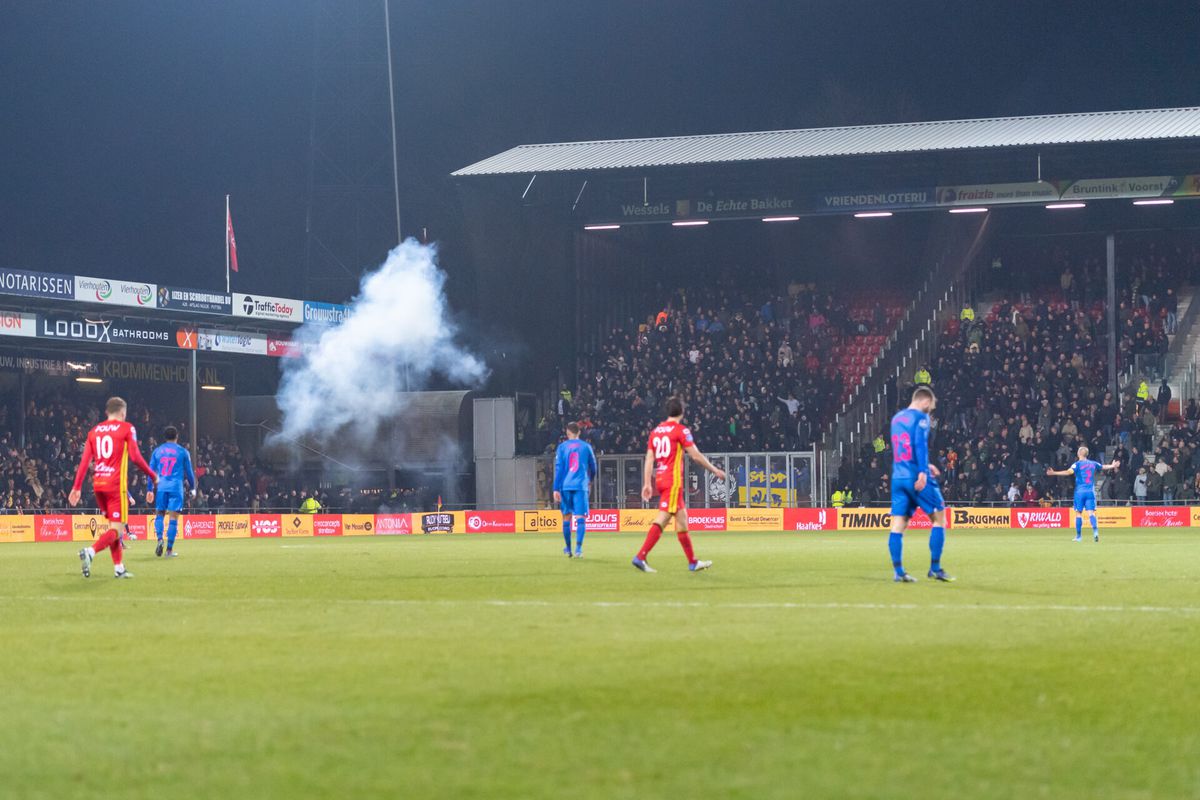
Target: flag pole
x=226, y=244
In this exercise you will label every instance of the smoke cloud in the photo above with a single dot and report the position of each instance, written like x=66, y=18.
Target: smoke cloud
x=397, y=337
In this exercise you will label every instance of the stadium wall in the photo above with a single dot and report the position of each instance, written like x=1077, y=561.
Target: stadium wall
x=83, y=527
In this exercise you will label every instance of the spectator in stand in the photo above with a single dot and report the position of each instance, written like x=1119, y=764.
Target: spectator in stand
x=922, y=376
x=785, y=355
x=1164, y=400
x=1030, y=496
x=1141, y=486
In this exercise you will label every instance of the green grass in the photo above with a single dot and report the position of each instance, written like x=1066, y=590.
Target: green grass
x=492, y=667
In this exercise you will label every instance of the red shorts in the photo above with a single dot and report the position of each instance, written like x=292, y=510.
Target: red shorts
x=670, y=495
x=113, y=505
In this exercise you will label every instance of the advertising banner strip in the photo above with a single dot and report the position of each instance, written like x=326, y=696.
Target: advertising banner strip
x=979, y=518
x=17, y=528
x=922, y=197
x=810, y=519
x=324, y=313
x=48, y=366
x=116, y=293
x=983, y=194
x=25, y=283
x=887, y=198
x=1161, y=517
x=233, y=526
x=85, y=527
x=99, y=330
x=1040, y=517
x=754, y=519
x=282, y=348
x=878, y=519
x=257, y=306
x=254, y=344
x=175, y=298
x=1110, y=188
x=393, y=524
x=16, y=324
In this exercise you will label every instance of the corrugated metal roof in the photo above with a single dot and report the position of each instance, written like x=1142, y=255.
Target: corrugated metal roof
x=906, y=137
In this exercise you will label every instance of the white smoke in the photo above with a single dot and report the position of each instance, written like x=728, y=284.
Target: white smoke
x=350, y=379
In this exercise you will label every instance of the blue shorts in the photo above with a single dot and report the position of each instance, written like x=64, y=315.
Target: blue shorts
x=906, y=499
x=574, y=503
x=168, y=500
x=1085, y=500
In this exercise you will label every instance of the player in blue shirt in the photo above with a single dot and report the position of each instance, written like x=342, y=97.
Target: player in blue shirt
x=173, y=465
x=574, y=468
x=1084, y=471
x=914, y=484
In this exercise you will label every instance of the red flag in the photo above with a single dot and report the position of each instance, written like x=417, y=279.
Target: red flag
x=230, y=240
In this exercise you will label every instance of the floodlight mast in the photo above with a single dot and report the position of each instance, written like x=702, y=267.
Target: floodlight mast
x=387, y=27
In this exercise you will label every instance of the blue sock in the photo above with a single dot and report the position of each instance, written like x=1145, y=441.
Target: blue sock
x=937, y=540
x=896, y=545
x=1095, y=530
x=1078, y=526
x=158, y=521
x=580, y=530
x=172, y=529
x=567, y=530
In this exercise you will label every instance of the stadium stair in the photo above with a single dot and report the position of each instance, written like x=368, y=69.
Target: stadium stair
x=855, y=355
x=1184, y=351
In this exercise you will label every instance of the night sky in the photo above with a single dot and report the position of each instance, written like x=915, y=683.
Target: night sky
x=126, y=123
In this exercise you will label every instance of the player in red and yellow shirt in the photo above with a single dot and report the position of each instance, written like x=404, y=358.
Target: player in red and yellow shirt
x=669, y=440
x=110, y=446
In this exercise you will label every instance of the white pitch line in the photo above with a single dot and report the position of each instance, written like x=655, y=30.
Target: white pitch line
x=765, y=606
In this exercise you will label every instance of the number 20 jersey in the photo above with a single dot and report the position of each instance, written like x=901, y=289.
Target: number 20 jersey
x=667, y=442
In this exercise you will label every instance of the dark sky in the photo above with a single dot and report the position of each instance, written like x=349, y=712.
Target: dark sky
x=126, y=122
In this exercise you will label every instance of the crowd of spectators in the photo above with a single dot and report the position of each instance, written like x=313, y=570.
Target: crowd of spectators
x=754, y=365
x=1020, y=389
x=38, y=476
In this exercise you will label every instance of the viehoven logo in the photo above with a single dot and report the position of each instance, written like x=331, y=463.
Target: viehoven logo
x=963, y=517
x=103, y=290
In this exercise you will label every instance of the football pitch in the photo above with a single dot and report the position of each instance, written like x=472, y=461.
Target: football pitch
x=490, y=666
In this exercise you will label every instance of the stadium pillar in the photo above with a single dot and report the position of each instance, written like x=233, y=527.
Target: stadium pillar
x=195, y=439
x=1111, y=269
x=21, y=410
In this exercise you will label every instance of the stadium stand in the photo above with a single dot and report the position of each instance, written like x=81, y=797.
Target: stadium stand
x=1025, y=383
x=764, y=369
x=38, y=476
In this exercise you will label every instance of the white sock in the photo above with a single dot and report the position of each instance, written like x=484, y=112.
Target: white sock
x=91, y=553
x=119, y=568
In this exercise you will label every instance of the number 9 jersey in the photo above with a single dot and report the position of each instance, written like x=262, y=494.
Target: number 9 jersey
x=667, y=442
